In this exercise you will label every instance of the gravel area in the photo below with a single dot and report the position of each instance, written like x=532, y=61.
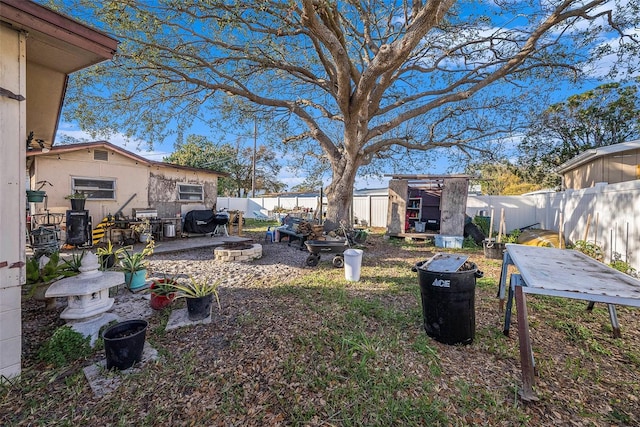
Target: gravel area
x=278, y=261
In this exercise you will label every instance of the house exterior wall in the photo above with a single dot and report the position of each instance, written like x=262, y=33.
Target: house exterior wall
x=147, y=185
x=613, y=168
x=12, y=192
x=130, y=177
x=163, y=189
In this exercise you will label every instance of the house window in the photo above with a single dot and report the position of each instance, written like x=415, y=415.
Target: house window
x=95, y=188
x=190, y=192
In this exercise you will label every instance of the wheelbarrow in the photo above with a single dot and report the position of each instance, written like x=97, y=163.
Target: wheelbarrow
x=317, y=247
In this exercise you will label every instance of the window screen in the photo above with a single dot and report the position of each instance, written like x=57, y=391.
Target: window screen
x=95, y=188
x=190, y=192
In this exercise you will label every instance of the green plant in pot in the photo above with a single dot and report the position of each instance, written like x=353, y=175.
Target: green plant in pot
x=163, y=292
x=41, y=272
x=78, y=200
x=134, y=265
x=108, y=255
x=199, y=294
x=143, y=230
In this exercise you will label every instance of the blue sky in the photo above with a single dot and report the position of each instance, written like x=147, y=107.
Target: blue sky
x=291, y=178
x=288, y=176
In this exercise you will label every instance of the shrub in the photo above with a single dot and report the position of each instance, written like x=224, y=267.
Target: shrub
x=590, y=249
x=483, y=224
x=623, y=266
x=65, y=346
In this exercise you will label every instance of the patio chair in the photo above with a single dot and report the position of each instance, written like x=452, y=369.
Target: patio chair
x=260, y=216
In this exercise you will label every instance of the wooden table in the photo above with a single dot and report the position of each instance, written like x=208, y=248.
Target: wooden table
x=561, y=273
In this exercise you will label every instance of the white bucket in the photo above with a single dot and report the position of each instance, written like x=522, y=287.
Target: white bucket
x=352, y=263
x=169, y=230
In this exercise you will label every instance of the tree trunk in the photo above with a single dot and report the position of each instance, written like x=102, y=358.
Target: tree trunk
x=340, y=196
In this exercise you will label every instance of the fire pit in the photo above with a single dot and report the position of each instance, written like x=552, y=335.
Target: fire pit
x=237, y=244
x=238, y=250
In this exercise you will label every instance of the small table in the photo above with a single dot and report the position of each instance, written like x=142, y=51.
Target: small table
x=562, y=273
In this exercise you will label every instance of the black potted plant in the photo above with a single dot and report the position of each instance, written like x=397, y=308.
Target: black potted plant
x=199, y=295
x=78, y=200
x=107, y=255
x=124, y=343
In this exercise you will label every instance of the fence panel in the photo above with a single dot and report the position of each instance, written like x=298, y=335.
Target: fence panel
x=614, y=210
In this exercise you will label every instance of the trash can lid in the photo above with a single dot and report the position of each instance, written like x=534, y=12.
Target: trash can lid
x=444, y=263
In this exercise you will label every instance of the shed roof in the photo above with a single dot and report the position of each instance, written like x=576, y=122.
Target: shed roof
x=596, y=153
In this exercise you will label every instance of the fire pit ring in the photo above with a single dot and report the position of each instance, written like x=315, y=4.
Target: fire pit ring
x=238, y=251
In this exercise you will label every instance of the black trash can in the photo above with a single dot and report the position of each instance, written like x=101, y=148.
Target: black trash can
x=447, y=287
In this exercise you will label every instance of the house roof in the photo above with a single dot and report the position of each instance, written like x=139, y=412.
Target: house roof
x=595, y=153
x=58, y=149
x=56, y=46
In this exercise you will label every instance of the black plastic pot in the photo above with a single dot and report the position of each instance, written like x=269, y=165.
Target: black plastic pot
x=124, y=343
x=107, y=261
x=493, y=250
x=77, y=204
x=199, y=308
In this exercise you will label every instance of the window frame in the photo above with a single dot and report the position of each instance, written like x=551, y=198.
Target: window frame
x=88, y=189
x=181, y=192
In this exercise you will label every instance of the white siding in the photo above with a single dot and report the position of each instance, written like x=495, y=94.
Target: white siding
x=12, y=191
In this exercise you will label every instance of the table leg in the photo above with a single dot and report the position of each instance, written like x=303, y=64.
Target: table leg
x=526, y=352
x=515, y=281
x=506, y=260
x=614, y=321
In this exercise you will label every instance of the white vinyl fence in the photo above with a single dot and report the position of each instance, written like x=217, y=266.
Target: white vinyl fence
x=612, y=212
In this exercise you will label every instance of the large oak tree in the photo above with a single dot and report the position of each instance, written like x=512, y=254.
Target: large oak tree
x=350, y=83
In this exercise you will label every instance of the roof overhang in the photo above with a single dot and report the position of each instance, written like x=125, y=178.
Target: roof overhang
x=595, y=153
x=56, y=46
x=104, y=145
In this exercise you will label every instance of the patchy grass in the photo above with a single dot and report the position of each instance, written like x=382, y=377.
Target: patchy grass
x=319, y=351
